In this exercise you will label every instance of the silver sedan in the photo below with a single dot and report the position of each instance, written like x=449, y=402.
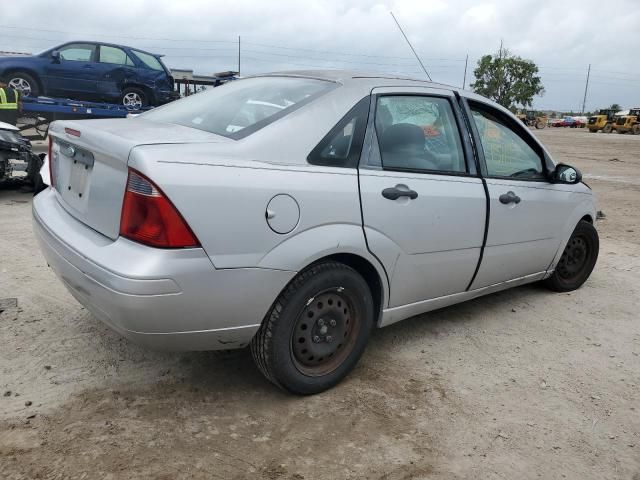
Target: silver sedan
x=295, y=212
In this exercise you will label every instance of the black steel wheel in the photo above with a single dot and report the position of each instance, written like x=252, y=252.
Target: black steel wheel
x=317, y=329
x=577, y=261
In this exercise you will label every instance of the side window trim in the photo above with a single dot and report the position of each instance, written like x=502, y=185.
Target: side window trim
x=517, y=130
x=373, y=141
x=361, y=110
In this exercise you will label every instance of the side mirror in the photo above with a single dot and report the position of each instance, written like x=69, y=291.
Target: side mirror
x=55, y=55
x=566, y=174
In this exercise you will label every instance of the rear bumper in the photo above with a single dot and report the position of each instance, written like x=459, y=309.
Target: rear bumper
x=165, y=299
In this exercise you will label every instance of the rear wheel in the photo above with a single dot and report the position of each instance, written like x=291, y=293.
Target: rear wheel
x=134, y=98
x=636, y=129
x=317, y=329
x=24, y=83
x=577, y=261
x=607, y=128
x=540, y=125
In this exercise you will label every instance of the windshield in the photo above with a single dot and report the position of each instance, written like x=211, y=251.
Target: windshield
x=239, y=108
x=149, y=60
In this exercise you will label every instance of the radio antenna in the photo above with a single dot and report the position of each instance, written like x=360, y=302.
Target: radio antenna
x=411, y=46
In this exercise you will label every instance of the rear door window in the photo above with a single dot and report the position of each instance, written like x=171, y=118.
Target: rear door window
x=418, y=132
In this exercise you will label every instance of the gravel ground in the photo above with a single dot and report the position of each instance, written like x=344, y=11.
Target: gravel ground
x=520, y=384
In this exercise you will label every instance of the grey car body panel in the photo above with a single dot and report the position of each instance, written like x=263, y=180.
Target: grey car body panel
x=110, y=141
x=425, y=252
x=524, y=237
x=427, y=234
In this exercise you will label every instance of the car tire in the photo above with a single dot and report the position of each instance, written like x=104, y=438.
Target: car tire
x=20, y=81
x=134, y=99
x=317, y=329
x=577, y=261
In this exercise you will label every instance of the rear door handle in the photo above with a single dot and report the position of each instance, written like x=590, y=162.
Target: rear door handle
x=509, y=197
x=395, y=193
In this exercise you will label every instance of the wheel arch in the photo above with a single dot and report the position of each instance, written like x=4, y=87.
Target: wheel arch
x=148, y=91
x=366, y=269
x=584, y=211
x=27, y=70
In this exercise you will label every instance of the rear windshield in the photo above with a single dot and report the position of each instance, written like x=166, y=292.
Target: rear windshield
x=241, y=107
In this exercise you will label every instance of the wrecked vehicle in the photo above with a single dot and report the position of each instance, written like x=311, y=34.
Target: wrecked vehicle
x=16, y=156
x=297, y=211
x=93, y=71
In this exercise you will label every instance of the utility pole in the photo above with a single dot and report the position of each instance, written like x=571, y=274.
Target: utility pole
x=464, y=79
x=238, y=55
x=584, y=99
x=411, y=46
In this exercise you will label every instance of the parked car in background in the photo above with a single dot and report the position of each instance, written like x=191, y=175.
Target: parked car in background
x=570, y=122
x=297, y=211
x=92, y=71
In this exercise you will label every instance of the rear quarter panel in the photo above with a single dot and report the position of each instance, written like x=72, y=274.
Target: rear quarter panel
x=225, y=204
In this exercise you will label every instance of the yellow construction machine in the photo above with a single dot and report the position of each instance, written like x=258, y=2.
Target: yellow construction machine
x=629, y=123
x=603, y=120
x=530, y=119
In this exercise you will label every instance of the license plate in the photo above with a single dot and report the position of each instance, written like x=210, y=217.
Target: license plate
x=80, y=165
x=78, y=177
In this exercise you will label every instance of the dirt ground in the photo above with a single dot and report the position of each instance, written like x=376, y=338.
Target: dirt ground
x=517, y=385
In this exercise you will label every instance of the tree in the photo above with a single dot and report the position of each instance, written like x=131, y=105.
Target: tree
x=615, y=107
x=507, y=79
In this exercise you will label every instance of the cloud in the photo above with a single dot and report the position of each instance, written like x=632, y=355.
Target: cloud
x=562, y=37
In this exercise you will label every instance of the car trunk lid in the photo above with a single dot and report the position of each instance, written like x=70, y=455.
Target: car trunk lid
x=89, y=163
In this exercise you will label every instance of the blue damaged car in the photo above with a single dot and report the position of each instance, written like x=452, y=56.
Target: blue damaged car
x=93, y=71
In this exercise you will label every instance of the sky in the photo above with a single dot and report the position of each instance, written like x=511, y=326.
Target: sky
x=561, y=37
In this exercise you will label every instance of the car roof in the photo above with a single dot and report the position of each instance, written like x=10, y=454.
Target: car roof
x=108, y=44
x=347, y=77
x=366, y=81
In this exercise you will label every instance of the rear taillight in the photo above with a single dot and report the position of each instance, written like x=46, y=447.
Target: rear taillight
x=149, y=217
x=51, y=180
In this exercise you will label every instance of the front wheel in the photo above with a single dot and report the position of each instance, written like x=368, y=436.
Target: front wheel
x=577, y=261
x=24, y=83
x=636, y=129
x=316, y=330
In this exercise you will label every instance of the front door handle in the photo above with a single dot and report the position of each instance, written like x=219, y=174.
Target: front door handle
x=509, y=197
x=395, y=193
